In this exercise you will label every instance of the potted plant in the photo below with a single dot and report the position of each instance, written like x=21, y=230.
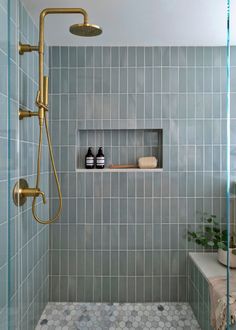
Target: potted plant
x=212, y=236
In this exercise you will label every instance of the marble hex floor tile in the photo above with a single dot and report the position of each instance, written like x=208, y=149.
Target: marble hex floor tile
x=102, y=316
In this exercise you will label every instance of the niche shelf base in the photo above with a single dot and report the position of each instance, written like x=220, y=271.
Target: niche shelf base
x=113, y=170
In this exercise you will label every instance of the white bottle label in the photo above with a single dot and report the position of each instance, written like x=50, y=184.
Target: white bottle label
x=89, y=160
x=100, y=161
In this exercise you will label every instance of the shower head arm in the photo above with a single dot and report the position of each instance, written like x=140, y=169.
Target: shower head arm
x=48, y=11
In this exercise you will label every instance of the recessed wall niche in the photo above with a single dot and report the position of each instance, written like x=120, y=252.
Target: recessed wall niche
x=120, y=146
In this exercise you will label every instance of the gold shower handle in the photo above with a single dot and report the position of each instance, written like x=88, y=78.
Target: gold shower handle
x=33, y=192
x=25, y=113
x=43, y=196
x=21, y=191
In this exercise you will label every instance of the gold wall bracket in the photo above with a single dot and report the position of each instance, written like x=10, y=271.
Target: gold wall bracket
x=21, y=191
x=26, y=48
x=27, y=113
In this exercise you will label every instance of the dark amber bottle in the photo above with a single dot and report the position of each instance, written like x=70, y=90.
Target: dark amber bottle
x=100, y=159
x=89, y=159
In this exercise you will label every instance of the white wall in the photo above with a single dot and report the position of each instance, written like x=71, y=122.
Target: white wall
x=135, y=22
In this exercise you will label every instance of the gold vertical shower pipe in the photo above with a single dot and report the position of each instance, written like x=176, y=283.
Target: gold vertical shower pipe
x=42, y=102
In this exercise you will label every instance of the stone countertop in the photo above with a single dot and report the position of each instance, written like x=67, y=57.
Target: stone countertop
x=208, y=264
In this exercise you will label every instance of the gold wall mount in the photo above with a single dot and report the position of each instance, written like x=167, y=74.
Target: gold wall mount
x=26, y=48
x=23, y=113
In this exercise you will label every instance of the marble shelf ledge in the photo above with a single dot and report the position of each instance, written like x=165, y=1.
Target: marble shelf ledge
x=112, y=170
x=208, y=264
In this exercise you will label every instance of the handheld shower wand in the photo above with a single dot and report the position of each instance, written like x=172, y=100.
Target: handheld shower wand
x=21, y=190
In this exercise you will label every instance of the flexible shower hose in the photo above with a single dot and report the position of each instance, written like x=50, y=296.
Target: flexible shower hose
x=55, y=217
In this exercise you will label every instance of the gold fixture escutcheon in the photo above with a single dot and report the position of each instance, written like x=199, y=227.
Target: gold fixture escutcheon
x=18, y=198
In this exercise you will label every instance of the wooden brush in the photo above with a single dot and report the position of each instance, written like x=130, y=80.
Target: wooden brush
x=123, y=166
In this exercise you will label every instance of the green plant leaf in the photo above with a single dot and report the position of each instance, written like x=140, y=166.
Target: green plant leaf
x=210, y=243
x=210, y=233
x=199, y=242
x=221, y=245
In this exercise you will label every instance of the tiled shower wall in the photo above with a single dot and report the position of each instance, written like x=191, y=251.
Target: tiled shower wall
x=122, y=236
x=31, y=295
x=23, y=244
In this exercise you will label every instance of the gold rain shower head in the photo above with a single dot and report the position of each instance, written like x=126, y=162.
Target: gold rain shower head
x=86, y=30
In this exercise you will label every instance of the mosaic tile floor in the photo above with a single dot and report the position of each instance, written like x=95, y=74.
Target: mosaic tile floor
x=86, y=316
